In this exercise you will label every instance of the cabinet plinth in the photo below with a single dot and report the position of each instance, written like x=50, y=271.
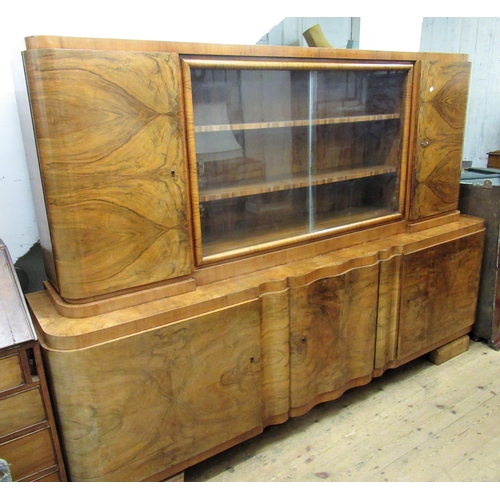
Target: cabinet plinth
x=238, y=234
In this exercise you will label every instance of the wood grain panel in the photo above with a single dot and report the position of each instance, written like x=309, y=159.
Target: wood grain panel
x=333, y=325
x=155, y=401
x=225, y=286
x=388, y=313
x=111, y=158
x=28, y=454
x=439, y=288
x=275, y=353
x=442, y=108
x=21, y=410
x=12, y=372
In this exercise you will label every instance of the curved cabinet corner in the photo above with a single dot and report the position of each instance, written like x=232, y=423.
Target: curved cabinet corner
x=155, y=402
x=110, y=150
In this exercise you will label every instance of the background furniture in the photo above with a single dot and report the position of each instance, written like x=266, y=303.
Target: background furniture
x=214, y=269
x=28, y=437
x=480, y=196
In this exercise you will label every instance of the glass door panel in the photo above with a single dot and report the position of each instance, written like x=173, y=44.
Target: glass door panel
x=357, y=145
x=280, y=151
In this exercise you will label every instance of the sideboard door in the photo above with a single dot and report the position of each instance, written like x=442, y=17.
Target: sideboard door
x=151, y=404
x=110, y=152
x=439, y=287
x=332, y=332
x=442, y=107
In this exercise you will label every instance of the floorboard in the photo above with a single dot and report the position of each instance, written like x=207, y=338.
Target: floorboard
x=417, y=423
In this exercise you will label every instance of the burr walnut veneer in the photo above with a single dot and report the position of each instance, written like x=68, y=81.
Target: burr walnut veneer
x=234, y=234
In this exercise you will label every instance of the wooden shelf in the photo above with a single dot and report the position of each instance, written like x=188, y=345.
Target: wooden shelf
x=248, y=188
x=296, y=123
x=243, y=237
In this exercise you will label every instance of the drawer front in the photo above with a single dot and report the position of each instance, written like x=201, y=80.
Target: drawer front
x=11, y=372
x=21, y=410
x=29, y=454
x=54, y=477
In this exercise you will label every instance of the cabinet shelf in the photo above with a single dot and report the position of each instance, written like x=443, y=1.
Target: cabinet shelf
x=296, y=123
x=248, y=188
x=217, y=244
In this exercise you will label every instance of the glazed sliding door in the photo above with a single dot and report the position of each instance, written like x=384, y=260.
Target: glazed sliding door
x=280, y=153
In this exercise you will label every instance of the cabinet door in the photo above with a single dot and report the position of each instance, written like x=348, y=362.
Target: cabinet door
x=280, y=151
x=160, y=400
x=333, y=325
x=110, y=150
x=439, y=288
x=442, y=108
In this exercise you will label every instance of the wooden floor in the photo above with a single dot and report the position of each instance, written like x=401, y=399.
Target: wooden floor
x=418, y=423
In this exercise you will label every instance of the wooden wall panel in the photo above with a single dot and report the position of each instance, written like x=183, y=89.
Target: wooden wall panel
x=110, y=148
x=275, y=357
x=388, y=313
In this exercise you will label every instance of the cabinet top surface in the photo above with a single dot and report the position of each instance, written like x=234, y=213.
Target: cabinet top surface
x=15, y=325
x=64, y=333
x=191, y=48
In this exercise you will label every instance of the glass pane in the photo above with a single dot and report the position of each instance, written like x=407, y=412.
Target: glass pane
x=356, y=151
x=245, y=151
x=283, y=153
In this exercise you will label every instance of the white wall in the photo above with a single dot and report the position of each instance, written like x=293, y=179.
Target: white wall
x=145, y=19
x=391, y=32
x=216, y=21
x=337, y=30
x=479, y=37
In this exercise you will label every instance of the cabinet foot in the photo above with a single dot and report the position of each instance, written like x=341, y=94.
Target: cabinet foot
x=448, y=351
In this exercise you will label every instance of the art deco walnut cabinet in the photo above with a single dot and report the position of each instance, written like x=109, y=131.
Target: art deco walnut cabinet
x=234, y=234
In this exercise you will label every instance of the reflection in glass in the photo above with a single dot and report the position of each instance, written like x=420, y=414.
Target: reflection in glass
x=282, y=153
